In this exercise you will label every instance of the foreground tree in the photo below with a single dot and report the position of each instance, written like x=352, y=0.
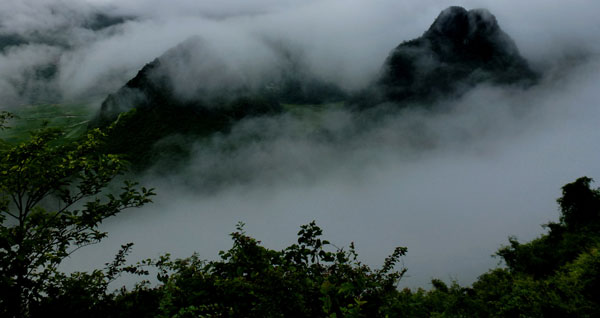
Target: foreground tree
x=52, y=200
x=309, y=279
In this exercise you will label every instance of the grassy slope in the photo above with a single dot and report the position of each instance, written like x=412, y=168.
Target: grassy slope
x=312, y=113
x=73, y=118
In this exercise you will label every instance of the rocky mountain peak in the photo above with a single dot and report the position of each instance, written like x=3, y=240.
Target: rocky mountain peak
x=458, y=24
x=461, y=49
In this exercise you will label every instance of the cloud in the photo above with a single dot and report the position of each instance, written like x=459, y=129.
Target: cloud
x=342, y=41
x=449, y=185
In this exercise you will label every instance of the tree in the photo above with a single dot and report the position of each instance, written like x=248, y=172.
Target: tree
x=580, y=205
x=4, y=117
x=53, y=197
x=307, y=279
x=575, y=233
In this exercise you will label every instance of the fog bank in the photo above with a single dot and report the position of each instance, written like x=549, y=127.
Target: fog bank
x=449, y=185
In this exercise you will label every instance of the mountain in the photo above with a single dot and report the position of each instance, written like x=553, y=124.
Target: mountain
x=460, y=50
x=191, y=90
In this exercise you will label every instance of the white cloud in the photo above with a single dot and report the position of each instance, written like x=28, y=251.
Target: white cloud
x=492, y=166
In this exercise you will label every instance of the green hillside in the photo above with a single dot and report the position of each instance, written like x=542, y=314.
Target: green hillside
x=72, y=118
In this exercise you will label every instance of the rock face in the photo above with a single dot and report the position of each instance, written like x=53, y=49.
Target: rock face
x=461, y=49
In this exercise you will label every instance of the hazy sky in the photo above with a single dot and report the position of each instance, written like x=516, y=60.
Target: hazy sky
x=450, y=186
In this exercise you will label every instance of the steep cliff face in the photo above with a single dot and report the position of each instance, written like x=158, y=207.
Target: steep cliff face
x=461, y=49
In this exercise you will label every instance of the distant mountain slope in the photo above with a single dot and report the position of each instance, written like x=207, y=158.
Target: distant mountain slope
x=33, y=56
x=461, y=49
x=192, y=75
x=191, y=90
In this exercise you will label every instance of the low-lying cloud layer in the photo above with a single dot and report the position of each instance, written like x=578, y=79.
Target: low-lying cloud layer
x=342, y=41
x=450, y=185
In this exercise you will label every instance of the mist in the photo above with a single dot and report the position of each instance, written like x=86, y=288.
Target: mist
x=341, y=41
x=451, y=184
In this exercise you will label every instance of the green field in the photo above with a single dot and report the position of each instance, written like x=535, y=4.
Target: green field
x=72, y=118
x=309, y=110
x=312, y=114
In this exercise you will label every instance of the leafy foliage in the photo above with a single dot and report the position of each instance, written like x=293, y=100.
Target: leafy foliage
x=555, y=275
x=303, y=280
x=577, y=232
x=51, y=203
x=4, y=117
